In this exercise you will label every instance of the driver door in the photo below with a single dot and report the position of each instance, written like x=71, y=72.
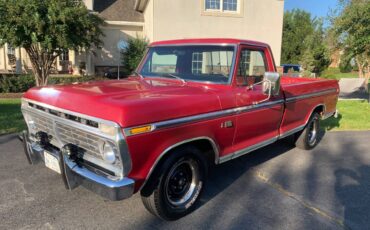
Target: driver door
x=258, y=122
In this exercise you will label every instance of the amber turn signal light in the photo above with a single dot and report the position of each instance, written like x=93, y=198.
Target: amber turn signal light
x=142, y=129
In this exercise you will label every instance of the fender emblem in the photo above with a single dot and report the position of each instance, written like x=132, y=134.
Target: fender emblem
x=227, y=124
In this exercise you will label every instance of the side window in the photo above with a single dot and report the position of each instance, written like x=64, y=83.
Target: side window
x=252, y=67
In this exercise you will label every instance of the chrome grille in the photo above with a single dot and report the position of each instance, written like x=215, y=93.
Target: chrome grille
x=62, y=134
x=70, y=135
x=64, y=115
x=68, y=127
x=43, y=124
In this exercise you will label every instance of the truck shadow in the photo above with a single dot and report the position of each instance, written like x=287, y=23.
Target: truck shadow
x=350, y=186
x=224, y=175
x=327, y=188
x=7, y=138
x=331, y=123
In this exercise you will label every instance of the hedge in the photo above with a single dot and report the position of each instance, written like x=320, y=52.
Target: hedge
x=21, y=83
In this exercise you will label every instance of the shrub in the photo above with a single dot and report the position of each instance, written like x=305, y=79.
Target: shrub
x=345, y=66
x=133, y=54
x=21, y=83
x=16, y=84
x=70, y=80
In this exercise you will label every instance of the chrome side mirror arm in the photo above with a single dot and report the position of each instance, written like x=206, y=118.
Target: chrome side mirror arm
x=269, y=90
x=270, y=86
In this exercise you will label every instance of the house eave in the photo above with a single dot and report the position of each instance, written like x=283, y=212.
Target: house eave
x=124, y=23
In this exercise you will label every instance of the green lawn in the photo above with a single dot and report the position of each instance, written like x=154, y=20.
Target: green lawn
x=334, y=73
x=353, y=115
x=11, y=119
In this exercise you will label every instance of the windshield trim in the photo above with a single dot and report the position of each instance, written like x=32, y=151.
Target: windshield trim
x=232, y=67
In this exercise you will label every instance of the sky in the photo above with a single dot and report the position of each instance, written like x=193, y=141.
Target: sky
x=319, y=8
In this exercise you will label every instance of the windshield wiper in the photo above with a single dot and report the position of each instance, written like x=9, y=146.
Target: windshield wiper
x=137, y=74
x=173, y=76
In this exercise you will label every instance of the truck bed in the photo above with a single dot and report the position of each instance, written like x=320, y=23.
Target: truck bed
x=302, y=95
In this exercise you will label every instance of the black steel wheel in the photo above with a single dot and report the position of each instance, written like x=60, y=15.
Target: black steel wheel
x=182, y=182
x=179, y=184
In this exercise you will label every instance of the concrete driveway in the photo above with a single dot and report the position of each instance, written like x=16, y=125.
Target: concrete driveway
x=277, y=187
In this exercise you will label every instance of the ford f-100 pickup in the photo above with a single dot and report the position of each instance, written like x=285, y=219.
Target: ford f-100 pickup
x=190, y=104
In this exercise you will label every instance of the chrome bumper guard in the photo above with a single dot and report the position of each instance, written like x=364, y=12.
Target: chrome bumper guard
x=74, y=175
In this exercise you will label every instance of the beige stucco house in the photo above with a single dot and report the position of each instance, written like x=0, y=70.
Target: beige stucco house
x=260, y=20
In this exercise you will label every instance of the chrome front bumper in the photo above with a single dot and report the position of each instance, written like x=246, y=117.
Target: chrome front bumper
x=74, y=175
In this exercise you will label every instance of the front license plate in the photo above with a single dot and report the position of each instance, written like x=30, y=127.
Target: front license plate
x=52, y=162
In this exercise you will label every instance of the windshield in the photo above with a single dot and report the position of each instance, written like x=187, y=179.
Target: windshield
x=204, y=63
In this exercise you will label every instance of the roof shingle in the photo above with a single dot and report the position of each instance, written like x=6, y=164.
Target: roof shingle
x=118, y=10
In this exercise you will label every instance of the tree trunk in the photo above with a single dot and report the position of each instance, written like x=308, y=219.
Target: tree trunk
x=367, y=78
x=41, y=64
x=360, y=68
x=363, y=66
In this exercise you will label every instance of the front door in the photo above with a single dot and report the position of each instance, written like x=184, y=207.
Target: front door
x=259, y=119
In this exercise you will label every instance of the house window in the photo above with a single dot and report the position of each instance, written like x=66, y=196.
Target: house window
x=230, y=5
x=11, y=56
x=213, y=4
x=222, y=5
x=11, y=50
x=197, y=63
x=64, y=56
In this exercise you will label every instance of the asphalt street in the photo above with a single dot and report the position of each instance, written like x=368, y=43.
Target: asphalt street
x=277, y=187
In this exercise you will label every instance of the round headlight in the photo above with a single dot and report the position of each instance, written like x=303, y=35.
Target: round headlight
x=109, y=154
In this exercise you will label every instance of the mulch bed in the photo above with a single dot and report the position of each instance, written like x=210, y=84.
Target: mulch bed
x=11, y=95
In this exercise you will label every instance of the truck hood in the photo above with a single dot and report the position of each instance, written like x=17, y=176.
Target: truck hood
x=130, y=102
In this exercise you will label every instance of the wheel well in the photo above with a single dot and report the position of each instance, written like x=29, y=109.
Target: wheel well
x=320, y=109
x=204, y=145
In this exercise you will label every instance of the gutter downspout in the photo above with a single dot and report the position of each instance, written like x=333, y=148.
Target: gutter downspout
x=140, y=5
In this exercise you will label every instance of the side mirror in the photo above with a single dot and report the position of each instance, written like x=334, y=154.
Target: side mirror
x=271, y=83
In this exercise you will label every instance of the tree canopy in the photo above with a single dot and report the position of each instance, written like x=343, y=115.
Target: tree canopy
x=316, y=55
x=46, y=29
x=303, y=41
x=352, y=29
x=297, y=26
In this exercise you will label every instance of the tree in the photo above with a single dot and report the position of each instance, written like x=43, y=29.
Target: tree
x=352, y=28
x=316, y=57
x=303, y=41
x=296, y=28
x=45, y=29
x=134, y=52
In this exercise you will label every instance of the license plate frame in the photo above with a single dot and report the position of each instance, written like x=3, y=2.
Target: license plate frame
x=52, y=162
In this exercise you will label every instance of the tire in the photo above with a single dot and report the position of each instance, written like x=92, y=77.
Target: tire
x=179, y=184
x=309, y=137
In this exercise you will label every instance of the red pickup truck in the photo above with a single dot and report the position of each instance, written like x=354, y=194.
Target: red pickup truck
x=190, y=104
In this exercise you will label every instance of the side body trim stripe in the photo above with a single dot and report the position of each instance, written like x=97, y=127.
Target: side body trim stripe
x=222, y=113
x=292, y=131
x=249, y=149
x=315, y=94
